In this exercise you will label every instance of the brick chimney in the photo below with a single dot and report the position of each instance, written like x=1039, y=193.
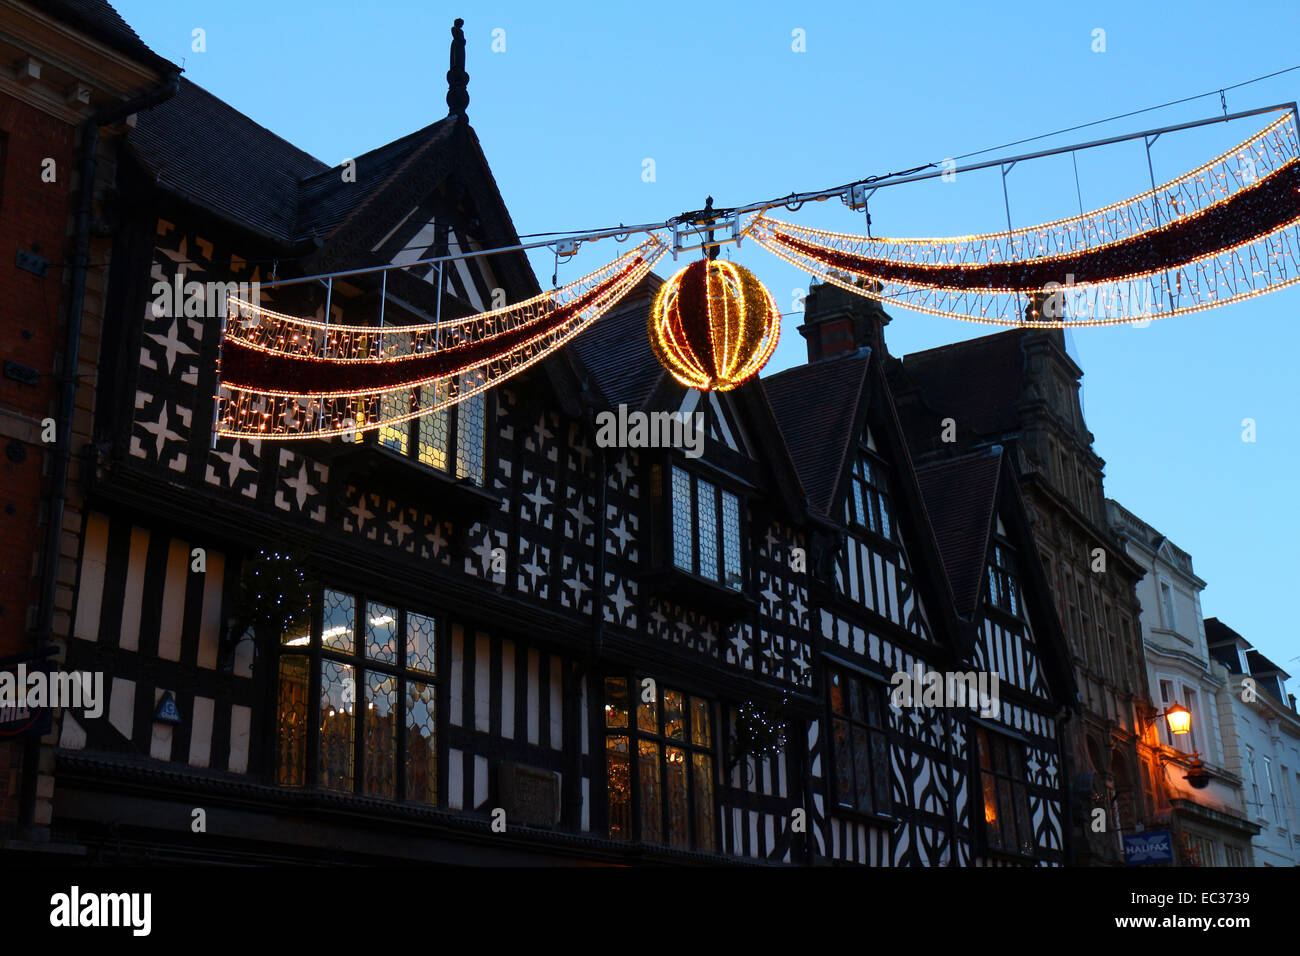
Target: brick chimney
x=837, y=322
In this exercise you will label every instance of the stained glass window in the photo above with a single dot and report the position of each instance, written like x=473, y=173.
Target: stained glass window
x=673, y=775
x=420, y=636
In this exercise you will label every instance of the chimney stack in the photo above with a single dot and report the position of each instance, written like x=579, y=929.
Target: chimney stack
x=837, y=322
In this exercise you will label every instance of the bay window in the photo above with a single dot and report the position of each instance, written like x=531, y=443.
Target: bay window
x=705, y=529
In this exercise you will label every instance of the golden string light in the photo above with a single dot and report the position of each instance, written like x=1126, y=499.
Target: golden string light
x=1228, y=243
x=280, y=389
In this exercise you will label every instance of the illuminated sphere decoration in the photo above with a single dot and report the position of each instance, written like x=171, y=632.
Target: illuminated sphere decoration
x=714, y=325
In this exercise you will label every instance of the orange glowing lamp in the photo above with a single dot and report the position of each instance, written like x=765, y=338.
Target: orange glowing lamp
x=1179, y=719
x=713, y=325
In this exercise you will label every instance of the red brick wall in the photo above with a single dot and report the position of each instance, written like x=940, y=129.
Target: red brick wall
x=32, y=213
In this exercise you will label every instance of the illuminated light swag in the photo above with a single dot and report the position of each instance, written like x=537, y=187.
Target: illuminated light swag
x=1223, y=232
x=713, y=325
x=286, y=377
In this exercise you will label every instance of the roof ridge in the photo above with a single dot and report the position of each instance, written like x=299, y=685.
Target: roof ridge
x=266, y=129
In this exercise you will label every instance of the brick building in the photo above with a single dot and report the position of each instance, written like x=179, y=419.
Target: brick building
x=74, y=74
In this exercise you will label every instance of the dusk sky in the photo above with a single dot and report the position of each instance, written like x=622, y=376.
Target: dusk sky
x=583, y=94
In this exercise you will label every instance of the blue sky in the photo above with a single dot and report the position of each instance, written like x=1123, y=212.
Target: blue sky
x=715, y=95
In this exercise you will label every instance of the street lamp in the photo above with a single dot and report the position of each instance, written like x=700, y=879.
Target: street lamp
x=1179, y=719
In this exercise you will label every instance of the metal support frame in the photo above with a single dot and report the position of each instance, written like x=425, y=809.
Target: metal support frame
x=680, y=226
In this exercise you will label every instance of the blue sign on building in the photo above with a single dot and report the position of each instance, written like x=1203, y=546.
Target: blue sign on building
x=1153, y=846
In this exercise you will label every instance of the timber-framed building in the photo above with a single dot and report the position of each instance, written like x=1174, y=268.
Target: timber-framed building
x=517, y=645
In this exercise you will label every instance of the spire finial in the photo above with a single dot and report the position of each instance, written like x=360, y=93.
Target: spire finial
x=457, y=78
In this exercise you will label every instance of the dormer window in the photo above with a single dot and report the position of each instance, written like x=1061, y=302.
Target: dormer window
x=868, y=504
x=705, y=529
x=1004, y=589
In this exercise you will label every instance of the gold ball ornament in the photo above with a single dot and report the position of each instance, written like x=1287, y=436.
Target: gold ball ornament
x=713, y=325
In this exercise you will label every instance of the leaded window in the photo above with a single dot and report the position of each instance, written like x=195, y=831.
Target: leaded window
x=451, y=439
x=1003, y=585
x=1006, y=800
x=367, y=720
x=869, y=503
x=706, y=529
x=660, y=764
x=860, y=759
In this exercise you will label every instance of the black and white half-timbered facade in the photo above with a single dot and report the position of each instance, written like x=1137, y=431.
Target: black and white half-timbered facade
x=519, y=638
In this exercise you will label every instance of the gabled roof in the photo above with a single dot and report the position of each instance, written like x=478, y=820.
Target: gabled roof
x=208, y=153
x=978, y=380
x=816, y=407
x=326, y=202
x=98, y=19
x=1261, y=666
x=961, y=497
x=205, y=151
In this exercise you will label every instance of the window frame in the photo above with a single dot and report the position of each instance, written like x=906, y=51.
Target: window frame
x=986, y=738
x=872, y=687
x=721, y=492
x=631, y=731
x=869, y=491
x=406, y=443
x=403, y=674
x=1002, y=574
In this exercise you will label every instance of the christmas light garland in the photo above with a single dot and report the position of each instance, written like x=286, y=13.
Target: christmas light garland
x=286, y=377
x=1226, y=231
x=1223, y=232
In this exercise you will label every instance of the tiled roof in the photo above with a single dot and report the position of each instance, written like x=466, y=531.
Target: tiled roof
x=326, y=201
x=960, y=496
x=976, y=382
x=616, y=349
x=1260, y=665
x=815, y=406
x=98, y=19
x=208, y=153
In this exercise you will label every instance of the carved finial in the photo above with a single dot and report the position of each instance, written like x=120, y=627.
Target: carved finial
x=457, y=78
